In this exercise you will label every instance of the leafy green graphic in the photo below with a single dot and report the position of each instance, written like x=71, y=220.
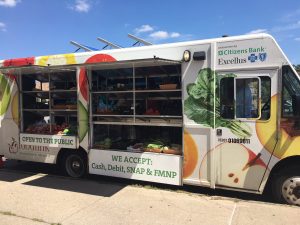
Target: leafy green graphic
x=199, y=106
x=4, y=94
x=83, y=121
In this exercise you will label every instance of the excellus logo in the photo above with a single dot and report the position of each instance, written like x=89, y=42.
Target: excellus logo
x=255, y=54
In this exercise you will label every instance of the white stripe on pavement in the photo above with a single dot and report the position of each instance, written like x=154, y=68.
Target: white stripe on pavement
x=31, y=178
x=232, y=214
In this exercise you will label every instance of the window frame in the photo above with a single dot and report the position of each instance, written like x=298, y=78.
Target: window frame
x=284, y=69
x=234, y=100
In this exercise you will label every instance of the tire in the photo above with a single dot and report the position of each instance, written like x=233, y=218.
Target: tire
x=75, y=165
x=286, y=186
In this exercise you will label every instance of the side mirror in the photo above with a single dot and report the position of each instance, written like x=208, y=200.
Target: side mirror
x=296, y=105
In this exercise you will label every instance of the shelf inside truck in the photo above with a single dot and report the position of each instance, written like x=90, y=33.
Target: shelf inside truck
x=130, y=111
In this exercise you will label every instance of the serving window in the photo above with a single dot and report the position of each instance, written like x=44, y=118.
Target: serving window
x=137, y=107
x=138, y=138
x=49, y=102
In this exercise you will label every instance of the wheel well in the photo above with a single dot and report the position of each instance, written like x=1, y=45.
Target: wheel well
x=285, y=163
x=282, y=165
x=64, y=151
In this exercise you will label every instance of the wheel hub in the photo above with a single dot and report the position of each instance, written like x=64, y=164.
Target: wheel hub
x=291, y=190
x=296, y=191
x=76, y=165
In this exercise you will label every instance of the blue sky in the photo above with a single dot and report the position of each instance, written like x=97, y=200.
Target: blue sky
x=43, y=27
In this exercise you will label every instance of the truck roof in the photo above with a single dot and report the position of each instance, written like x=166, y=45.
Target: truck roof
x=18, y=61
x=239, y=52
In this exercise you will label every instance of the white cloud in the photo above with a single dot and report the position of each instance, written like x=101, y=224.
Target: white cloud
x=159, y=35
x=174, y=35
x=81, y=6
x=150, y=33
x=291, y=26
x=291, y=16
x=257, y=31
x=284, y=31
x=143, y=29
x=2, y=27
x=9, y=3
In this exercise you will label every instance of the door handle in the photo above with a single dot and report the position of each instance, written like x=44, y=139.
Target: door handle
x=219, y=132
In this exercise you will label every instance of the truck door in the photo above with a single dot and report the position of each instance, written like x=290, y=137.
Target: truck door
x=198, y=117
x=246, y=101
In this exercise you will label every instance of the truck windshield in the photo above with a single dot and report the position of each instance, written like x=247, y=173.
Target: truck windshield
x=291, y=86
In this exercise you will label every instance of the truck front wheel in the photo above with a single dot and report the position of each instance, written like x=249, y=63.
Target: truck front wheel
x=75, y=165
x=286, y=186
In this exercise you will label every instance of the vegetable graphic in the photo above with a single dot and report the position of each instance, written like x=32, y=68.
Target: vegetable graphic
x=287, y=144
x=83, y=121
x=199, y=106
x=83, y=86
x=190, y=155
x=19, y=62
x=57, y=59
x=4, y=94
x=100, y=58
x=247, y=172
x=15, y=108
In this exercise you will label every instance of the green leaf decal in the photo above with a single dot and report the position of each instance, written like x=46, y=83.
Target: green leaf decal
x=5, y=94
x=199, y=106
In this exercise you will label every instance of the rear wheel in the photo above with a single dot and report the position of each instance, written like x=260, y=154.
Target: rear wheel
x=286, y=186
x=75, y=165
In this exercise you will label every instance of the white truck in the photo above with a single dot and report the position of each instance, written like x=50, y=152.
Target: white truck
x=222, y=113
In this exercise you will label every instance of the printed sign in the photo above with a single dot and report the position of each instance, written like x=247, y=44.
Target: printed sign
x=58, y=141
x=243, y=53
x=155, y=167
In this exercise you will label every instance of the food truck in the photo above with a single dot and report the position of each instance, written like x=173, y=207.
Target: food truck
x=221, y=113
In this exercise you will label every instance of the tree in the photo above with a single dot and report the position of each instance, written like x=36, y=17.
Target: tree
x=297, y=67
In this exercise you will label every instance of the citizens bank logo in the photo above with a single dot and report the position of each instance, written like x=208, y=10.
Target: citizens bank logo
x=262, y=56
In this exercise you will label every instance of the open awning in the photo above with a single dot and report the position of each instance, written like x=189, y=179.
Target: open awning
x=132, y=63
x=36, y=69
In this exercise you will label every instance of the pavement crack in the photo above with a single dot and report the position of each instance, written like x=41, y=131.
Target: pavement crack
x=81, y=209
x=7, y=213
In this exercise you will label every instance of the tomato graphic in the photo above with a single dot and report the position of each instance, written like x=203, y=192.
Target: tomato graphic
x=100, y=58
x=19, y=62
x=83, y=84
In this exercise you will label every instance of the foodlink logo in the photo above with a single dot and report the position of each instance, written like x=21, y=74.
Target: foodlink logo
x=15, y=146
x=223, y=60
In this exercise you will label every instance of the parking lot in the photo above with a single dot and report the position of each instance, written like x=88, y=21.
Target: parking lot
x=33, y=193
